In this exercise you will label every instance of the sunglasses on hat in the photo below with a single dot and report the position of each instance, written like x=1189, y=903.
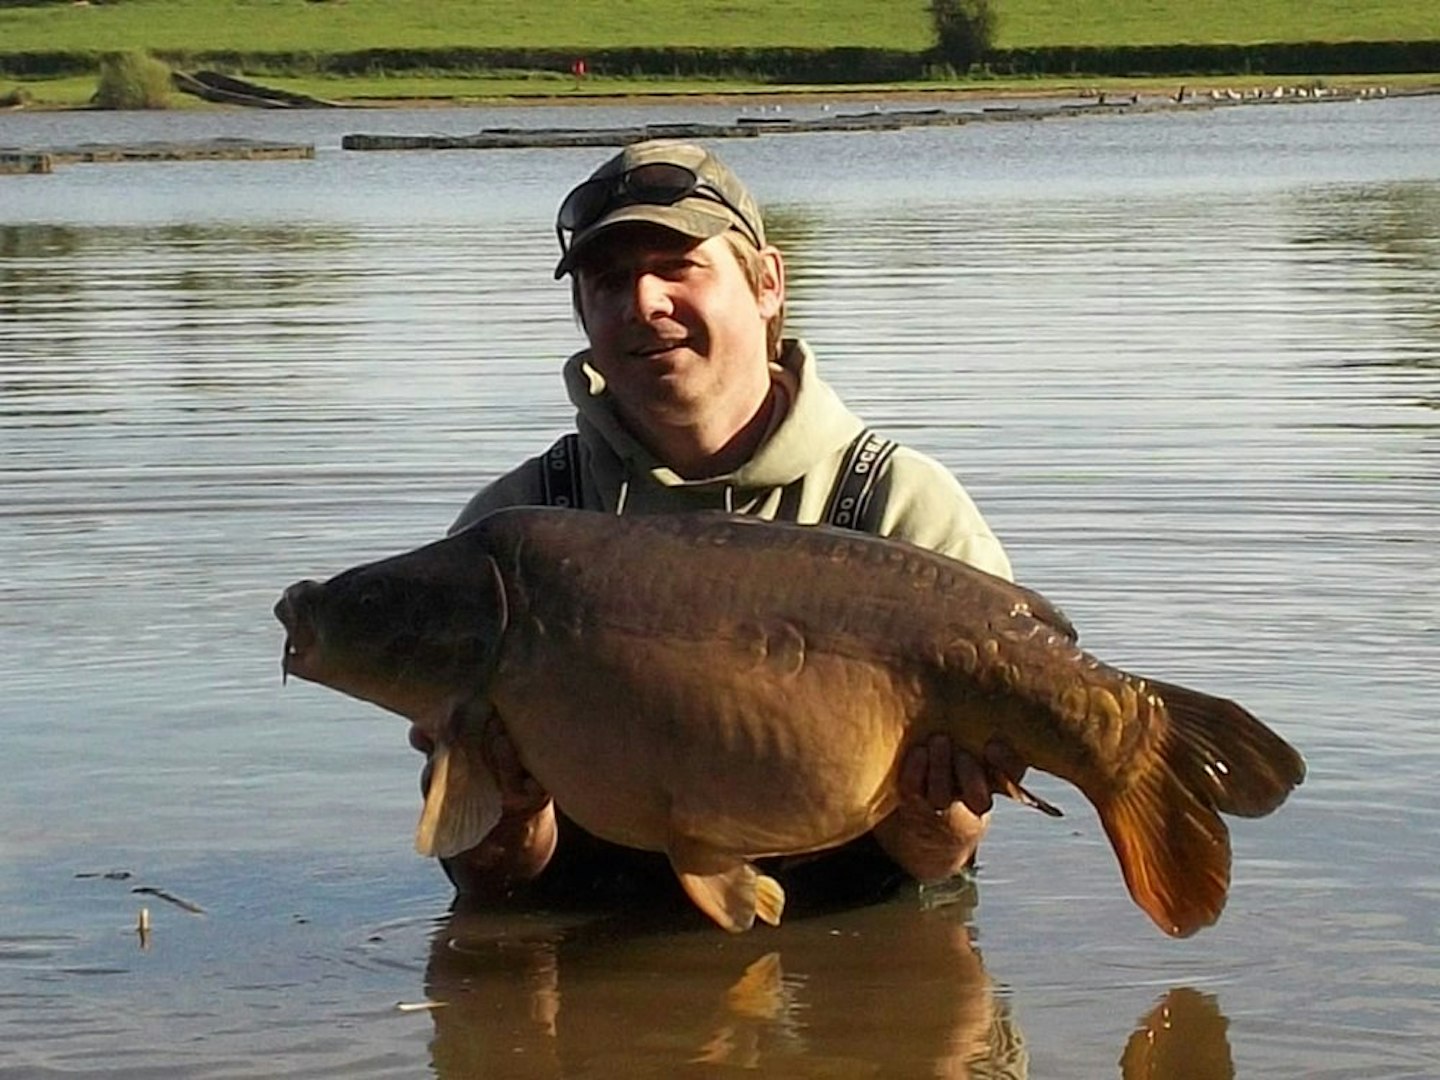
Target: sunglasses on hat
x=660, y=183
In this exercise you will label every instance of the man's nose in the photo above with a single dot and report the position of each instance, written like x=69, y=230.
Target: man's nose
x=650, y=297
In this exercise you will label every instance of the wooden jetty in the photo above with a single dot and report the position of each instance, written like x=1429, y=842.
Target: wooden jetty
x=873, y=120
x=22, y=162
x=202, y=150
x=743, y=128
x=517, y=138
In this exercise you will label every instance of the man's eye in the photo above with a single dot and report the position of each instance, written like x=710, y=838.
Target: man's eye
x=676, y=269
x=606, y=283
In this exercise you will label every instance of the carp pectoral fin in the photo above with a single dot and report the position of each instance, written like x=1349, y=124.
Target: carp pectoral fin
x=462, y=805
x=729, y=890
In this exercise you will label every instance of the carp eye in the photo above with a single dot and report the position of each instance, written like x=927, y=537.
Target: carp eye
x=373, y=595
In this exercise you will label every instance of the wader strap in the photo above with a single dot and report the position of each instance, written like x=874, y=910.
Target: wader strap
x=849, y=499
x=855, y=484
x=560, y=473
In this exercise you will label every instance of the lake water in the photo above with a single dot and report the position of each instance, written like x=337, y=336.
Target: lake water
x=1188, y=364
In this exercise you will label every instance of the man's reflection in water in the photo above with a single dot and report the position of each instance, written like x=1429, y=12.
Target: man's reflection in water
x=884, y=990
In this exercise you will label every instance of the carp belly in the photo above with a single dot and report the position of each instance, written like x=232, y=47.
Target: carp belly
x=744, y=749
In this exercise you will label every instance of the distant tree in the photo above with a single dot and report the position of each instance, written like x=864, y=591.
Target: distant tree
x=964, y=31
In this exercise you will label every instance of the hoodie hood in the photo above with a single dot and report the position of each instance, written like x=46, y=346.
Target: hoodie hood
x=815, y=426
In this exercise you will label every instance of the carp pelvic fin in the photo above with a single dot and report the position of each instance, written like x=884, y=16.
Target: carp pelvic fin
x=729, y=890
x=462, y=805
x=1023, y=796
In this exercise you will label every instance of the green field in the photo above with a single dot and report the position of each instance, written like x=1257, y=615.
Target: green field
x=342, y=25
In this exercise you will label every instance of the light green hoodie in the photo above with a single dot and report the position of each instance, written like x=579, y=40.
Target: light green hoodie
x=789, y=478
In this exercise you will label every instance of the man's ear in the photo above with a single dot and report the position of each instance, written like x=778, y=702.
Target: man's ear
x=575, y=301
x=771, y=294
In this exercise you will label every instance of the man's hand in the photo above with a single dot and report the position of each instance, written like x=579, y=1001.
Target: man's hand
x=945, y=799
x=521, y=844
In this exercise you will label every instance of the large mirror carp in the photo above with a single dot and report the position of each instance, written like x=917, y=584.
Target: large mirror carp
x=722, y=688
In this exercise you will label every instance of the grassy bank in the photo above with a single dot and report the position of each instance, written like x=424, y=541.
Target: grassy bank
x=370, y=50
x=350, y=25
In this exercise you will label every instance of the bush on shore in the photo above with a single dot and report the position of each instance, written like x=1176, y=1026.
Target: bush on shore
x=132, y=80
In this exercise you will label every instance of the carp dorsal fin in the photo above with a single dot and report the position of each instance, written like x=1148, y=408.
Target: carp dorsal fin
x=462, y=805
x=1038, y=607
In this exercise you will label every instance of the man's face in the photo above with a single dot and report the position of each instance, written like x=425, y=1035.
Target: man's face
x=674, y=325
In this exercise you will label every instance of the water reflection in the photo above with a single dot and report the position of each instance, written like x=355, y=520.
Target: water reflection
x=1182, y=1038
x=882, y=991
x=886, y=990
x=1379, y=241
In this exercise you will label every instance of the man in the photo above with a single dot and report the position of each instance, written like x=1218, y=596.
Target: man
x=688, y=398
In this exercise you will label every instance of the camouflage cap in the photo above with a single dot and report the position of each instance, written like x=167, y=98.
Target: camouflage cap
x=710, y=201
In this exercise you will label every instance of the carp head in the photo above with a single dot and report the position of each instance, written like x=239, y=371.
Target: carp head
x=416, y=634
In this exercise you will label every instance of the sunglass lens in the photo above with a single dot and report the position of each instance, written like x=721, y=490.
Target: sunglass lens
x=583, y=205
x=661, y=183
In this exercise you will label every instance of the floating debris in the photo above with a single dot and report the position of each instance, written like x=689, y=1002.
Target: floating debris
x=170, y=898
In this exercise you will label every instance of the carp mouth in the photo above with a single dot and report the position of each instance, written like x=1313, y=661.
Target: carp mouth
x=300, y=634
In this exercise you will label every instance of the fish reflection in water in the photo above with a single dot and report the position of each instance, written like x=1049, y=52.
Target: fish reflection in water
x=886, y=990
x=882, y=991
x=1181, y=1038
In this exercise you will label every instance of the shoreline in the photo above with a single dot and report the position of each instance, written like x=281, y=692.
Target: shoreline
x=334, y=92
x=879, y=113
x=765, y=95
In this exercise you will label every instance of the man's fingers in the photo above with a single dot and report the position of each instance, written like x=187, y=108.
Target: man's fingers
x=1001, y=759
x=971, y=783
x=420, y=741
x=518, y=789
x=913, y=771
x=502, y=754
x=942, y=775
x=939, y=781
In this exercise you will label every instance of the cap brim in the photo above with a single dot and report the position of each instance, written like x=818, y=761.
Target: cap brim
x=695, y=218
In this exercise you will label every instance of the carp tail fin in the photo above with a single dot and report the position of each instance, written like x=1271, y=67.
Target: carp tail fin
x=1174, y=852
x=1245, y=768
x=462, y=805
x=1165, y=826
x=731, y=891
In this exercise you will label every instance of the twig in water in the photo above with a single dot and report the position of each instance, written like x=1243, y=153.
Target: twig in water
x=169, y=897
